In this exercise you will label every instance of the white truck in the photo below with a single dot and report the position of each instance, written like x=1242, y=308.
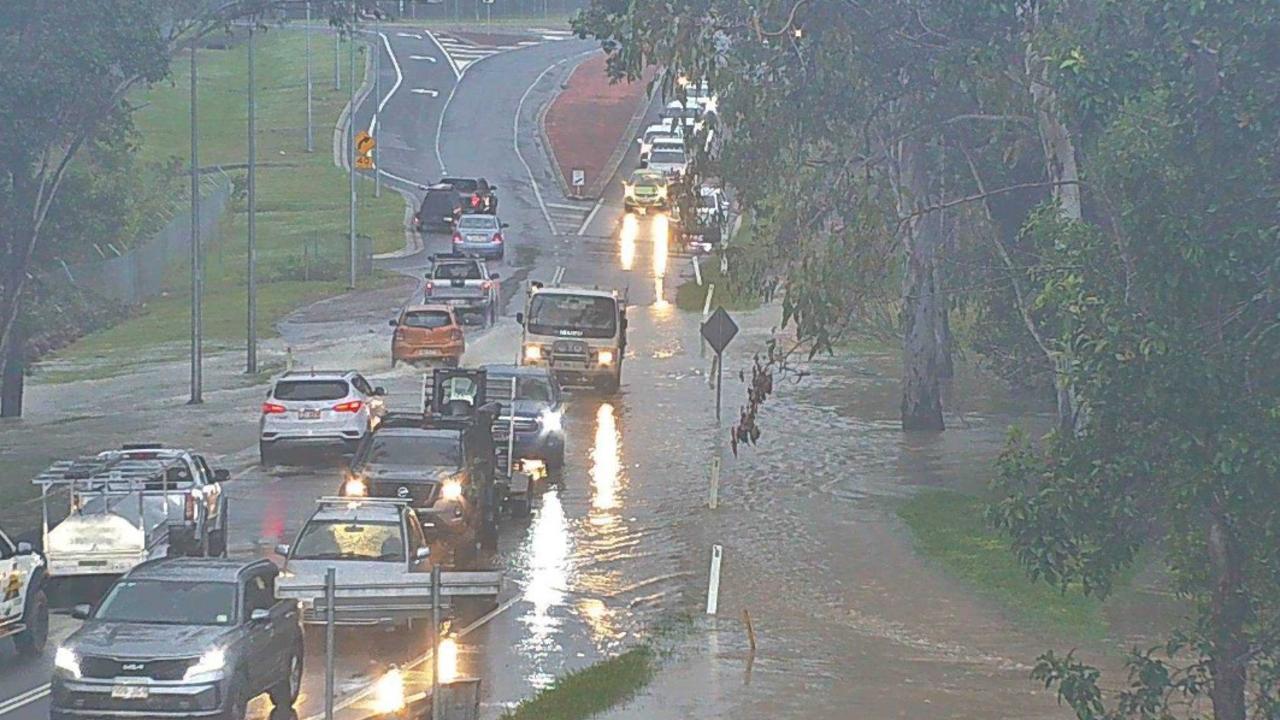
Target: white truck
x=579, y=333
x=24, y=609
x=131, y=505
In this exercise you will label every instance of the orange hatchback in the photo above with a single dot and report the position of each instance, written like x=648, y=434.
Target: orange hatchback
x=427, y=332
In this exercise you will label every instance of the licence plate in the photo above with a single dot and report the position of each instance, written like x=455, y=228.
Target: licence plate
x=308, y=414
x=130, y=692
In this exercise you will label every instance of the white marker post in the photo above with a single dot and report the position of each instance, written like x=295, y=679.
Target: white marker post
x=713, y=585
x=697, y=275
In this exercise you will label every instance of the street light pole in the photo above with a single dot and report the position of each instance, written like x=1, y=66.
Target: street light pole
x=351, y=147
x=251, y=361
x=311, y=147
x=197, y=271
x=337, y=64
x=376, y=47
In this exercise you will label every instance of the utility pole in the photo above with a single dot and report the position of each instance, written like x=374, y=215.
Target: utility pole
x=376, y=47
x=351, y=147
x=311, y=146
x=337, y=64
x=197, y=271
x=251, y=361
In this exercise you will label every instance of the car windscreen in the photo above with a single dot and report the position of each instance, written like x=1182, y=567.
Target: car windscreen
x=572, y=315
x=425, y=450
x=648, y=179
x=533, y=389
x=347, y=540
x=440, y=199
x=427, y=319
x=708, y=201
x=169, y=602
x=462, y=184
x=478, y=222
x=671, y=157
x=310, y=390
x=654, y=135
x=456, y=271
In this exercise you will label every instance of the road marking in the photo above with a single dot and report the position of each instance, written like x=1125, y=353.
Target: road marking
x=421, y=659
x=382, y=102
x=409, y=35
x=26, y=698
x=425, y=91
x=428, y=58
x=565, y=206
x=456, y=72
x=591, y=216
x=515, y=136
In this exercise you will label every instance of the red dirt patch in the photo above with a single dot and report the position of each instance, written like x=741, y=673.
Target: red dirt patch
x=588, y=120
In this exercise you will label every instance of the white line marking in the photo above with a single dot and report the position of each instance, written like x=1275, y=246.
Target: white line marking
x=554, y=37
x=394, y=87
x=26, y=698
x=515, y=136
x=591, y=216
x=409, y=35
x=444, y=110
x=425, y=91
x=456, y=72
x=428, y=58
x=529, y=43
x=564, y=206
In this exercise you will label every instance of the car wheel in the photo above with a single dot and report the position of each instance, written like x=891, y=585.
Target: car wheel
x=237, y=700
x=285, y=693
x=36, y=616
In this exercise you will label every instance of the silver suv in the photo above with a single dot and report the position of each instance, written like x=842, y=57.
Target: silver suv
x=315, y=409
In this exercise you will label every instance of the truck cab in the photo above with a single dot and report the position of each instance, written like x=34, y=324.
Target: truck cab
x=579, y=333
x=24, y=609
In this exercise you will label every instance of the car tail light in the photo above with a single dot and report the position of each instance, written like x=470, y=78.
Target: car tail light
x=417, y=219
x=430, y=287
x=272, y=409
x=189, y=509
x=457, y=238
x=351, y=406
x=487, y=284
x=497, y=237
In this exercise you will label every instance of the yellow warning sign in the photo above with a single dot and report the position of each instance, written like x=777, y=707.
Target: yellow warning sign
x=364, y=162
x=364, y=143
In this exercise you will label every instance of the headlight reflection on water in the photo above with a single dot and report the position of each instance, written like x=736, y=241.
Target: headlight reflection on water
x=659, y=231
x=630, y=231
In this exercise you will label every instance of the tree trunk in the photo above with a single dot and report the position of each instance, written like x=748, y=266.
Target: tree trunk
x=922, y=305
x=12, y=379
x=1230, y=613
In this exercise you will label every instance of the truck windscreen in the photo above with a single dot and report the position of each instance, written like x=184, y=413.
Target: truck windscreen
x=583, y=316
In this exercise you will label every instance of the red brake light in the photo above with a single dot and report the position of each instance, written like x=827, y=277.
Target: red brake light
x=487, y=284
x=497, y=237
x=430, y=287
x=457, y=238
x=349, y=407
x=272, y=409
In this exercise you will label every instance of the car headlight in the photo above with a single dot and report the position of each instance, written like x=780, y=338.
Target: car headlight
x=66, y=660
x=354, y=487
x=605, y=357
x=662, y=191
x=550, y=421
x=532, y=352
x=212, y=661
x=451, y=490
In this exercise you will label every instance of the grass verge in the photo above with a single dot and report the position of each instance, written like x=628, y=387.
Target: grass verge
x=592, y=690
x=949, y=528
x=730, y=294
x=302, y=210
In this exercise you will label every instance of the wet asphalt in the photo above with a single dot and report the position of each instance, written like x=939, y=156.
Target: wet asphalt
x=851, y=621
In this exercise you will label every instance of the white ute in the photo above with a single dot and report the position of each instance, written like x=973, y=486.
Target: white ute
x=24, y=609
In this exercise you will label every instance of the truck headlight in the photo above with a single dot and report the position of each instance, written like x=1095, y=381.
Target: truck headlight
x=212, y=661
x=550, y=421
x=662, y=192
x=451, y=490
x=532, y=352
x=354, y=487
x=605, y=357
x=66, y=660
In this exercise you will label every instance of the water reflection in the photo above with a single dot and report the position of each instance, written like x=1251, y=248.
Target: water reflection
x=548, y=576
x=630, y=230
x=605, y=461
x=660, y=235
x=662, y=309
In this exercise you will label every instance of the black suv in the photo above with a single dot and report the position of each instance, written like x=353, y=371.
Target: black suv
x=181, y=638
x=440, y=207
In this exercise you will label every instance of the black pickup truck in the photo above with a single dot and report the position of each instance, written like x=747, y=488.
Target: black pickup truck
x=181, y=638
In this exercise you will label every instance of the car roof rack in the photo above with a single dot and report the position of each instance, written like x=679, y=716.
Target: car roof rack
x=362, y=500
x=112, y=466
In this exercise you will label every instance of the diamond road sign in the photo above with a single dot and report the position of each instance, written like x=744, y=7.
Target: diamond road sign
x=719, y=330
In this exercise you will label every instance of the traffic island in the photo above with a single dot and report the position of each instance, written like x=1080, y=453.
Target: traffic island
x=590, y=124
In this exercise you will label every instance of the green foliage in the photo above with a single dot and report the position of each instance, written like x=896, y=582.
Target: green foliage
x=592, y=690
